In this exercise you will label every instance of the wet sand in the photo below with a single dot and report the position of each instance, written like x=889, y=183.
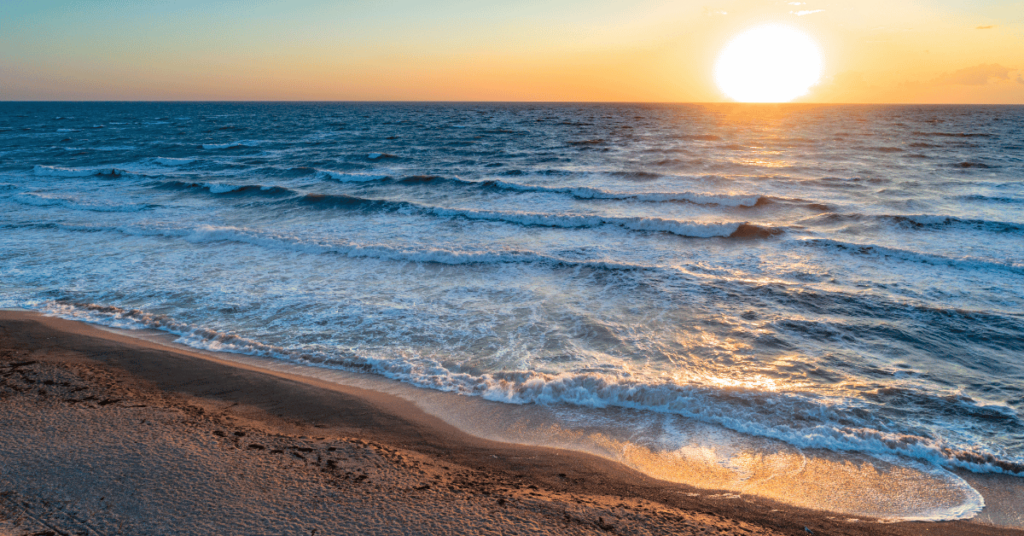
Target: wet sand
x=106, y=434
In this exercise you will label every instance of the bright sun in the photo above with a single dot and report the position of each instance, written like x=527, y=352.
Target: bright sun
x=770, y=63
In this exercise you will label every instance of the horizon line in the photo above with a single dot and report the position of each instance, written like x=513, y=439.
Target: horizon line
x=270, y=101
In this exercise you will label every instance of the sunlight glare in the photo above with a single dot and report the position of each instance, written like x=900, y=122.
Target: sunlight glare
x=770, y=63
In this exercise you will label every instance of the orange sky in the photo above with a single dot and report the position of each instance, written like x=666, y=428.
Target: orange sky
x=927, y=51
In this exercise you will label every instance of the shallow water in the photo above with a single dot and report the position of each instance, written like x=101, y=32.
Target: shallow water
x=710, y=283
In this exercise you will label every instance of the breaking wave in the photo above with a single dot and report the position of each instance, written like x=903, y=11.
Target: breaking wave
x=226, y=188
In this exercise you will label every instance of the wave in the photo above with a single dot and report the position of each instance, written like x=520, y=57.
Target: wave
x=579, y=192
x=636, y=175
x=55, y=171
x=231, y=145
x=699, y=137
x=342, y=177
x=926, y=220
x=584, y=192
x=164, y=161
x=378, y=156
x=296, y=171
x=222, y=188
x=352, y=202
x=919, y=221
x=990, y=199
x=855, y=304
x=691, y=229
x=967, y=263
x=536, y=173
x=283, y=242
x=430, y=179
x=801, y=420
x=290, y=243
x=43, y=200
x=953, y=134
x=849, y=181
x=110, y=148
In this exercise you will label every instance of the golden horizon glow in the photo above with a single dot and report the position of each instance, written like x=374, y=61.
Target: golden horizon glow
x=769, y=63
x=927, y=51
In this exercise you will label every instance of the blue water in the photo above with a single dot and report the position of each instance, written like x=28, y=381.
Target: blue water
x=839, y=277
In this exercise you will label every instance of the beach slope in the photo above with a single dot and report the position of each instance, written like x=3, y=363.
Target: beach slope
x=106, y=434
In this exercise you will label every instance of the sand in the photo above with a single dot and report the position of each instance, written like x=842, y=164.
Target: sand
x=106, y=434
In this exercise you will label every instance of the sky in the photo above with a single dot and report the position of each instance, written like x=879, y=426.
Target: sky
x=876, y=51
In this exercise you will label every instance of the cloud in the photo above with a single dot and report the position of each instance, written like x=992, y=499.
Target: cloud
x=979, y=75
x=805, y=12
x=984, y=27
x=708, y=12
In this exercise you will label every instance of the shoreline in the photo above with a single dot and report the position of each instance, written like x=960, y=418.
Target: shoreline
x=520, y=488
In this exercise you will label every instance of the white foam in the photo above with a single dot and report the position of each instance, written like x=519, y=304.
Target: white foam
x=219, y=188
x=958, y=500
x=754, y=413
x=55, y=171
x=339, y=176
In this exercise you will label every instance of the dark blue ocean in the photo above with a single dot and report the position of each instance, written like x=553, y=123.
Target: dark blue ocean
x=836, y=281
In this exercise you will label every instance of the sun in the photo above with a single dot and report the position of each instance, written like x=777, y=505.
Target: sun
x=770, y=63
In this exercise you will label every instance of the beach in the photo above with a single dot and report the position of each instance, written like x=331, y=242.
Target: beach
x=813, y=304
x=106, y=434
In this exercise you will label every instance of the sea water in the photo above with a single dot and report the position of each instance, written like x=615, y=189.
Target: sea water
x=690, y=289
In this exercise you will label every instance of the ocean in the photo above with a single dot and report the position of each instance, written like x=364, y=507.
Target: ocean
x=757, y=292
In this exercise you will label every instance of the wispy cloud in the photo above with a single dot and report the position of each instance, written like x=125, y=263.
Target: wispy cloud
x=984, y=27
x=708, y=12
x=806, y=12
x=979, y=75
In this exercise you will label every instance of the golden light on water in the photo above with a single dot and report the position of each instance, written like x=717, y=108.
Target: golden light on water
x=770, y=63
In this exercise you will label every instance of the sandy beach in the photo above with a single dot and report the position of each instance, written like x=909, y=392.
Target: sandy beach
x=105, y=434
